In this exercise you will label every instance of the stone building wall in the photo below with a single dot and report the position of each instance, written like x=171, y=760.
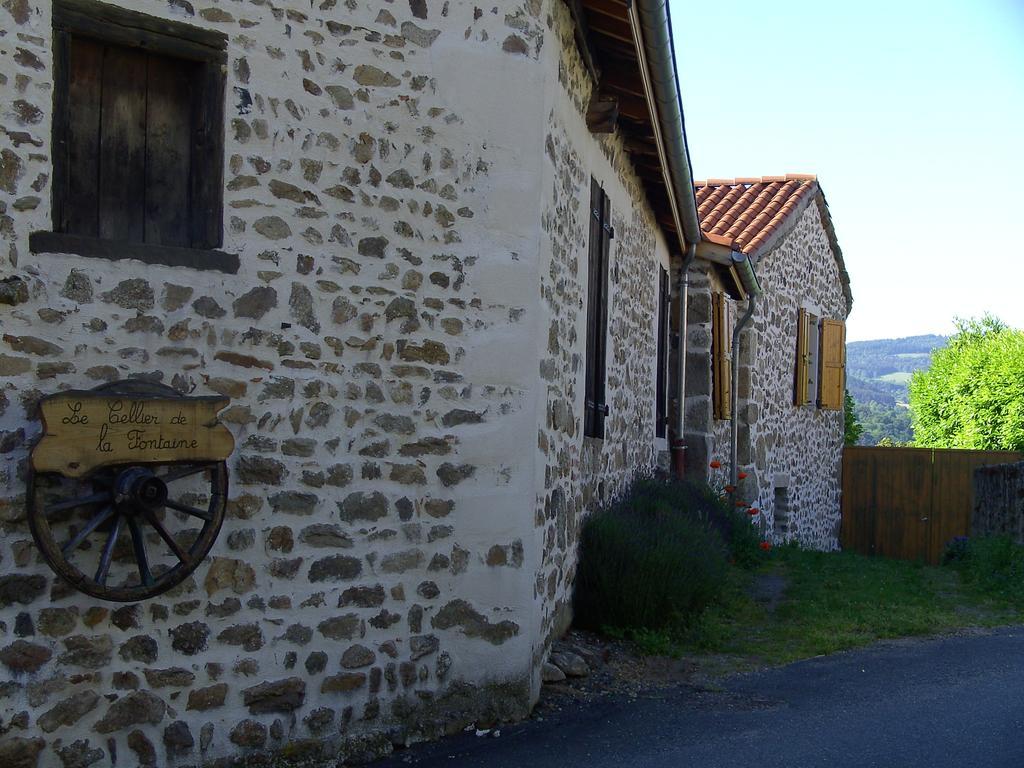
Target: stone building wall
x=791, y=455
x=798, y=449
x=707, y=438
x=410, y=471
x=576, y=473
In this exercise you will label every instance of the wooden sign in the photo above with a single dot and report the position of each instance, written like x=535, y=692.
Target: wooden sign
x=83, y=431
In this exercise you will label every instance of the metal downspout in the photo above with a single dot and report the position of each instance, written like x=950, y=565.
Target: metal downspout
x=753, y=290
x=679, y=441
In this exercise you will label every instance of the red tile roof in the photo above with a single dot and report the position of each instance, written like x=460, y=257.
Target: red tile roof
x=747, y=214
x=744, y=213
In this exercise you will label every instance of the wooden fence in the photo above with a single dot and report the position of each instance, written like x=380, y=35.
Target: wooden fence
x=907, y=503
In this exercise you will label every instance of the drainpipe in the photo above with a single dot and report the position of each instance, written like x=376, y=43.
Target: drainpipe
x=679, y=442
x=753, y=289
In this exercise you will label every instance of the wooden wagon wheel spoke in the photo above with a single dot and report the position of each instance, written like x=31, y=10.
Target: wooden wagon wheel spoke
x=80, y=502
x=105, y=514
x=108, y=552
x=194, y=511
x=178, y=474
x=141, y=558
x=166, y=536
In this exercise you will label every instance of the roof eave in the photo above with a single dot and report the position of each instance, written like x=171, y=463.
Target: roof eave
x=652, y=32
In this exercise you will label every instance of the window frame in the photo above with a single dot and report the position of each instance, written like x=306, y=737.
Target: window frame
x=207, y=49
x=664, y=327
x=814, y=360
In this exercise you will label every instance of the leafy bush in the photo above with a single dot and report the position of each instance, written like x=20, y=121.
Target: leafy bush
x=973, y=394
x=992, y=566
x=658, y=555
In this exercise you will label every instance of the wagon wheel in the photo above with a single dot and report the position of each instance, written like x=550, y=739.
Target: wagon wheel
x=130, y=531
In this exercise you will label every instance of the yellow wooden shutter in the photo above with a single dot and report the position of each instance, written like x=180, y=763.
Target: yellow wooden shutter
x=721, y=356
x=800, y=394
x=833, y=364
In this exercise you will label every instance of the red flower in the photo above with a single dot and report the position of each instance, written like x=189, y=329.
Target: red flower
x=742, y=475
x=715, y=464
x=753, y=511
x=730, y=488
x=742, y=504
x=766, y=545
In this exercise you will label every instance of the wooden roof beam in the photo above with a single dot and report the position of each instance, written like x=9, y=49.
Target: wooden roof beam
x=581, y=33
x=634, y=108
x=601, y=25
x=616, y=79
x=602, y=113
x=637, y=146
x=611, y=8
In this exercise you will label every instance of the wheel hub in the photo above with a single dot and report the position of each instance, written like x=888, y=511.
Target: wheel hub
x=138, y=489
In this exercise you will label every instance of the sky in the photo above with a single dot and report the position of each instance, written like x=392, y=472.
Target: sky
x=912, y=116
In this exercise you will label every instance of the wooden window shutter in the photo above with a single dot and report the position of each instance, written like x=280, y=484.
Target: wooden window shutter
x=602, y=330
x=803, y=334
x=833, y=364
x=595, y=408
x=593, y=264
x=721, y=357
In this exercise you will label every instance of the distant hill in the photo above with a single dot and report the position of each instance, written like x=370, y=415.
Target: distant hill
x=877, y=374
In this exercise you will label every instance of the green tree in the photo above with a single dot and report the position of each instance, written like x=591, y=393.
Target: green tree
x=882, y=422
x=888, y=442
x=852, y=429
x=973, y=394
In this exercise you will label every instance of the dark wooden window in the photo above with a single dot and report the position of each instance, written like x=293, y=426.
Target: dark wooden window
x=138, y=145
x=664, y=308
x=601, y=233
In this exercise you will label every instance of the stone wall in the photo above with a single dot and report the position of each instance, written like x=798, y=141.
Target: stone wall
x=999, y=502
x=403, y=348
x=576, y=472
x=789, y=453
x=798, y=449
x=707, y=438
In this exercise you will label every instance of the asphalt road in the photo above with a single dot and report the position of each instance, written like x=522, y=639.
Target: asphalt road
x=956, y=701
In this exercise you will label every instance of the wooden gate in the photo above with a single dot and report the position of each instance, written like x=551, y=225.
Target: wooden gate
x=907, y=503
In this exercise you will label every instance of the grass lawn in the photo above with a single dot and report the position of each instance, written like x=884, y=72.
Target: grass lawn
x=818, y=603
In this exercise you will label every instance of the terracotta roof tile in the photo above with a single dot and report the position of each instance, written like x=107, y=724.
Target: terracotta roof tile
x=744, y=214
x=748, y=211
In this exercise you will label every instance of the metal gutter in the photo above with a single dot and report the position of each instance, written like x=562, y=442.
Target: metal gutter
x=651, y=24
x=652, y=35
x=748, y=280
